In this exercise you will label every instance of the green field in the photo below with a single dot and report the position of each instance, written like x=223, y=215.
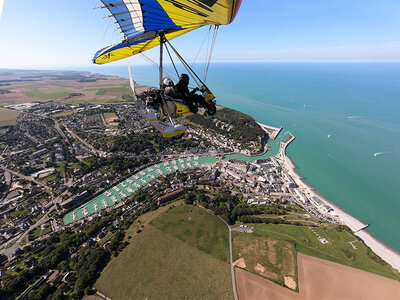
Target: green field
x=197, y=228
x=124, y=90
x=48, y=94
x=16, y=212
x=109, y=115
x=165, y=262
x=103, y=100
x=338, y=249
x=39, y=231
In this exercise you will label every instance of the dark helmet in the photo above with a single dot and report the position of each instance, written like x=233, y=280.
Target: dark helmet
x=184, y=77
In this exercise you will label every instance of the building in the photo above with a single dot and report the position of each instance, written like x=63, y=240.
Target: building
x=302, y=197
x=168, y=197
x=38, y=153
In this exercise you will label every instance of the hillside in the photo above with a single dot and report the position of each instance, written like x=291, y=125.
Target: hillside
x=237, y=126
x=175, y=252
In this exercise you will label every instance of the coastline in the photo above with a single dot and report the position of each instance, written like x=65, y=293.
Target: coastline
x=384, y=251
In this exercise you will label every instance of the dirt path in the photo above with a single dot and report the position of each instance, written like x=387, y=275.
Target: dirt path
x=235, y=295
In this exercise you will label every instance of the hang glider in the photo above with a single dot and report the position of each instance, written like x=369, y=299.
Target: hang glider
x=149, y=23
x=142, y=21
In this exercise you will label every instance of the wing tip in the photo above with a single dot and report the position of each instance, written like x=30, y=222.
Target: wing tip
x=236, y=8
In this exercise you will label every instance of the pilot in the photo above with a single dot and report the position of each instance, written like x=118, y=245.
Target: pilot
x=191, y=99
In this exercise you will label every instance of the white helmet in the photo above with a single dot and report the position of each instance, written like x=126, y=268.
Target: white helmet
x=167, y=81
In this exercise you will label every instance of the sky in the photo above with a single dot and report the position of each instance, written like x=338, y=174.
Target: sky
x=56, y=33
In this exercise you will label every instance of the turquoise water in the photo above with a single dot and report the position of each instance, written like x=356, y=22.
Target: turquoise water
x=341, y=114
x=272, y=151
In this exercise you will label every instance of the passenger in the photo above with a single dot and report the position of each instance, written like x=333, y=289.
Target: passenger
x=191, y=99
x=169, y=89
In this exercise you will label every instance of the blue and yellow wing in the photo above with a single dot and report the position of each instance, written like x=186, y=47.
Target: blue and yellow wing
x=142, y=20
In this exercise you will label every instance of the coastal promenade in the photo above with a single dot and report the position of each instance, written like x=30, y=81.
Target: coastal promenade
x=385, y=252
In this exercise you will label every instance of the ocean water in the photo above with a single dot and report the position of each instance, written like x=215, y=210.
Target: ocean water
x=346, y=120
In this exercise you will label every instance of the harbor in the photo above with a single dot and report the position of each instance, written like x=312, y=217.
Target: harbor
x=118, y=193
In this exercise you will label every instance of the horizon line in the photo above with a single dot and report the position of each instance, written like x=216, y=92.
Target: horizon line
x=198, y=62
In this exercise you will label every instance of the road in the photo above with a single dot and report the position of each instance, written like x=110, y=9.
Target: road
x=235, y=296
x=100, y=153
x=57, y=126
x=29, y=178
x=11, y=250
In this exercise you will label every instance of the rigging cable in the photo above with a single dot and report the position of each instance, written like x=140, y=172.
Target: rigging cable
x=152, y=62
x=188, y=68
x=172, y=61
x=206, y=54
x=201, y=47
x=211, y=51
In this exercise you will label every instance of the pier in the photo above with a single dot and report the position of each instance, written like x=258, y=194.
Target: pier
x=272, y=131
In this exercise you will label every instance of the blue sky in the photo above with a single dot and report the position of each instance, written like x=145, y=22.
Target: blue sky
x=55, y=33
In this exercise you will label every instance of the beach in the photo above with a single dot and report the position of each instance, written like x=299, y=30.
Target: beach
x=388, y=254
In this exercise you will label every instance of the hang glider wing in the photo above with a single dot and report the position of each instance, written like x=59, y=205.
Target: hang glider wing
x=141, y=21
x=138, y=44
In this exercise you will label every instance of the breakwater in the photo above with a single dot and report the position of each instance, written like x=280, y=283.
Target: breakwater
x=273, y=132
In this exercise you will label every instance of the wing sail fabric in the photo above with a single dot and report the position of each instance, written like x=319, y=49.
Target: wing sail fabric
x=142, y=20
x=135, y=16
x=200, y=12
x=124, y=50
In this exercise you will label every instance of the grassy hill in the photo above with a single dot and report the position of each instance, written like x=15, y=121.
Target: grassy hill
x=196, y=228
x=175, y=252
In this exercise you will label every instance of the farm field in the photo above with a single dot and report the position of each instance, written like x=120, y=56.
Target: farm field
x=342, y=246
x=319, y=279
x=271, y=258
x=8, y=117
x=163, y=263
x=108, y=90
x=117, y=90
x=52, y=94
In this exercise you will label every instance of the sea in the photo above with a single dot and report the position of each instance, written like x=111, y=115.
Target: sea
x=345, y=117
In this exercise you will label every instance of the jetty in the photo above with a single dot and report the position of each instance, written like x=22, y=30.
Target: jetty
x=282, y=148
x=272, y=131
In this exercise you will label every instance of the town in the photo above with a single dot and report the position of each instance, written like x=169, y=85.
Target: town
x=64, y=165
